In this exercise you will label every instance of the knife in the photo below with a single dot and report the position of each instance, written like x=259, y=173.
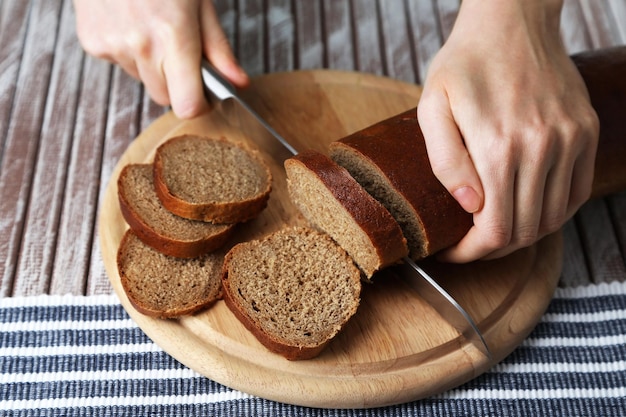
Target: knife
x=444, y=303
x=223, y=90
x=415, y=276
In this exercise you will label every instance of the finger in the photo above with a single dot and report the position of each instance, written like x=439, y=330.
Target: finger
x=582, y=177
x=181, y=68
x=492, y=229
x=449, y=158
x=184, y=84
x=528, y=207
x=153, y=79
x=127, y=64
x=483, y=238
x=216, y=47
x=556, y=197
x=569, y=182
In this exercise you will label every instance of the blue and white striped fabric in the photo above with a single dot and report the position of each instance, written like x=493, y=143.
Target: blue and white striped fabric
x=83, y=356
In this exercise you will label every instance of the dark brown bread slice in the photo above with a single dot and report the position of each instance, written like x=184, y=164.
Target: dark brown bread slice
x=294, y=290
x=211, y=179
x=334, y=202
x=164, y=286
x=389, y=160
x=158, y=227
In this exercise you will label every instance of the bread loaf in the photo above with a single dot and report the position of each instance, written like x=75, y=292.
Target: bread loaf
x=158, y=227
x=334, y=202
x=294, y=290
x=389, y=160
x=163, y=286
x=604, y=73
x=211, y=179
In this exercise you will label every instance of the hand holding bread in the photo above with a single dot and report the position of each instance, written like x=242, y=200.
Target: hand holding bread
x=508, y=124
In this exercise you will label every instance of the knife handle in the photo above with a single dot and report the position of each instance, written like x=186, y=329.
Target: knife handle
x=215, y=82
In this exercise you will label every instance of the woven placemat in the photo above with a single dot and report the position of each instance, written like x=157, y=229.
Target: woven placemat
x=83, y=356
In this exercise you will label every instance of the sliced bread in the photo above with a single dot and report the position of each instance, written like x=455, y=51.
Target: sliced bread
x=334, y=202
x=294, y=290
x=158, y=227
x=389, y=160
x=211, y=179
x=164, y=286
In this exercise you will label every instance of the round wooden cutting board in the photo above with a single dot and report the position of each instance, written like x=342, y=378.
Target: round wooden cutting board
x=397, y=348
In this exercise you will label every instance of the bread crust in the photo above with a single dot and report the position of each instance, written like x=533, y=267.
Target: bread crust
x=165, y=244
x=273, y=344
x=603, y=72
x=220, y=212
x=395, y=147
x=368, y=214
x=291, y=353
x=133, y=298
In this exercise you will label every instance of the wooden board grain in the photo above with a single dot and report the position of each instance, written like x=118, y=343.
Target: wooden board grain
x=397, y=348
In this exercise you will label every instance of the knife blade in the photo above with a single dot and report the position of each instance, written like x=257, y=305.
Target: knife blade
x=444, y=303
x=223, y=90
x=415, y=276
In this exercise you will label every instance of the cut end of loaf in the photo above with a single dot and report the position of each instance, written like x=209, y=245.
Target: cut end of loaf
x=294, y=290
x=379, y=186
x=212, y=180
x=164, y=286
x=334, y=202
x=390, y=161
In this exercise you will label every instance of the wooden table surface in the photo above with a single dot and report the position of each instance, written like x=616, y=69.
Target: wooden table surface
x=65, y=118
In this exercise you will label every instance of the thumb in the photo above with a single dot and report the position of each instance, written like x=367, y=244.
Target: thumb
x=451, y=163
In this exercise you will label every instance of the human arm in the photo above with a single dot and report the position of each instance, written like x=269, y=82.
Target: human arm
x=162, y=44
x=508, y=125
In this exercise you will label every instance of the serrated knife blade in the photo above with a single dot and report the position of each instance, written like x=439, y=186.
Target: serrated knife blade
x=415, y=276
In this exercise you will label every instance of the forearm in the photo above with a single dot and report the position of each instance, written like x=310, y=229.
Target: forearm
x=511, y=21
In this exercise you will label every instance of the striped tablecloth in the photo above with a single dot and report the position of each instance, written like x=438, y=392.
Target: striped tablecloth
x=75, y=356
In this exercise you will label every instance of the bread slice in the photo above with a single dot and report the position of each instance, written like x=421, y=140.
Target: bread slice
x=334, y=202
x=164, y=286
x=389, y=160
x=211, y=179
x=158, y=227
x=294, y=290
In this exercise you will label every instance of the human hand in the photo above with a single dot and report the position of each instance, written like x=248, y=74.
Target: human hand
x=162, y=44
x=508, y=125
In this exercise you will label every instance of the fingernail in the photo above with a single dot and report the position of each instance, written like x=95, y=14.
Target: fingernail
x=468, y=198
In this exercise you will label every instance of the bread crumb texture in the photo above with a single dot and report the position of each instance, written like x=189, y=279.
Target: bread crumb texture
x=372, y=179
x=164, y=286
x=137, y=185
x=322, y=209
x=202, y=170
x=297, y=286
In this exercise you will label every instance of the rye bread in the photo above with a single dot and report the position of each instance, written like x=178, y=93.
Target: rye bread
x=294, y=290
x=211, y=180
x=158, y=227
x=603, y=72
x=334, y=202
x=389, y=160
x=163, y=286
